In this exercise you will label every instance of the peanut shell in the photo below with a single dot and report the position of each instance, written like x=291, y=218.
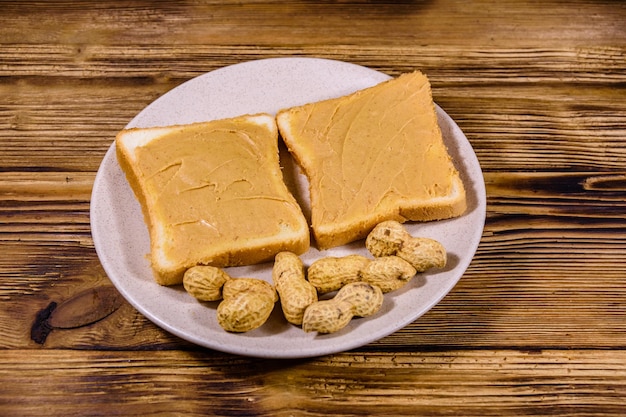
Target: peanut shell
x=389, y=273
x=294, y=291
x=331, y=273
x=247, y=304
x=205, y=282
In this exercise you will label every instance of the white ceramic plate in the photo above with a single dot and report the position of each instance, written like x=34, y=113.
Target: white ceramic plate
x=122, y=242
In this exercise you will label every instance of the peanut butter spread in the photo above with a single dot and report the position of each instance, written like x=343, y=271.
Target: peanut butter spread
x=371, y=150
x=211, y=187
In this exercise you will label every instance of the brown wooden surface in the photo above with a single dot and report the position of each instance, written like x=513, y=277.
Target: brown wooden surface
x=536, y=326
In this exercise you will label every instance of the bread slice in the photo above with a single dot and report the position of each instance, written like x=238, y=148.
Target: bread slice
x=373, y=155
x=212, y=193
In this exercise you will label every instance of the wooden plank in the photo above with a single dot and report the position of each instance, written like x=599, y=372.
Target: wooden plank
x=573, y=204
x=64, y=127
x=520, y=290
x=101, y=64
x=304, y=23
x=521, y=127
x=457, y=382
x=47, y=200
x=594, y=198
x=49, y=186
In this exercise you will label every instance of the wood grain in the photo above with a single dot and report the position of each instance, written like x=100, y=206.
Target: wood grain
x=544, y=115
x=518, y=291
x=304, y=23
x=468, y=383
x=536, y=326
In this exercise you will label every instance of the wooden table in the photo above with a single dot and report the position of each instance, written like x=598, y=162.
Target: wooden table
x=536, y=326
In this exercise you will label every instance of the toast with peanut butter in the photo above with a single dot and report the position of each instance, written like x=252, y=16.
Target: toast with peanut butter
x=212, y=193
x=374, y=155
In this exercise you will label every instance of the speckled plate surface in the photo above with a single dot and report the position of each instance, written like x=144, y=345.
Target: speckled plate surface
x=122, y=242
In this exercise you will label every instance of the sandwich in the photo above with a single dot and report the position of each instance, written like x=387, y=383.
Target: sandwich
x=374, y=155
x=212, y=193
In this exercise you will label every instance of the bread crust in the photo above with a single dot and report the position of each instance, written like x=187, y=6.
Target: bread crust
x=329, y=236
